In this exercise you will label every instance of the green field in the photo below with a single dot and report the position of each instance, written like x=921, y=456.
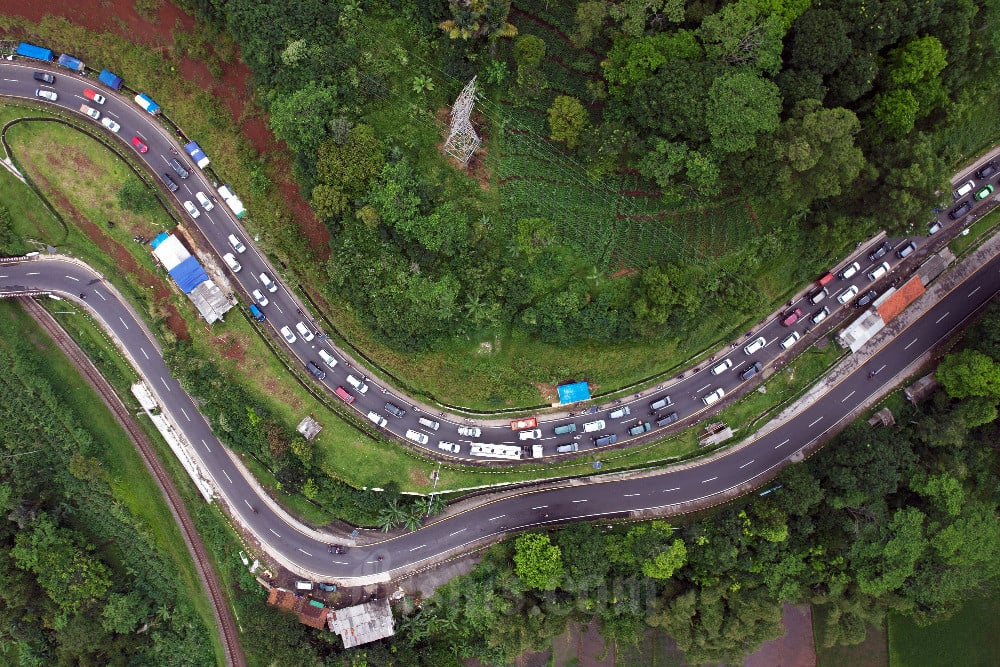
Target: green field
x=970, y=639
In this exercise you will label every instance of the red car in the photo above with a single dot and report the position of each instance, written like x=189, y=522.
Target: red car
x=139, y=146
x=93, y=96
x=792, y=317
x=519, y=424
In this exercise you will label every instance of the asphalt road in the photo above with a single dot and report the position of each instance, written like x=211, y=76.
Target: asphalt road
x=686, y=392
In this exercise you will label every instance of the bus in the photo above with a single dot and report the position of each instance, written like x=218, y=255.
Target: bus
x=512, y=452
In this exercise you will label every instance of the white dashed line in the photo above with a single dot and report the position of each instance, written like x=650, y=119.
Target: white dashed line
x=420, y=547
x=975, y=290
x=305, y=552
x=144, y=353
x=579, y=501
x=227, y=476
x=72, y=278
x=938, y=320
x=123, y=323
x=710, y=479
x=248, y=503
x=784, y=442
x=746, y=464
x=540, y=507
x=185, y=414
x=844, y=399
x=456, y=532
x=705, y=387
x=272, y=530
x=815, y=422
x=164, y=383
x=103, y=298
x=631, y=495
x=910, y=343
x=676, y=488
x=206, y=445
x=497, y=517
x=33, y=273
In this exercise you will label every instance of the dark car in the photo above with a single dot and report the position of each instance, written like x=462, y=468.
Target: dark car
x=395, y=410
x=173, y=187
x=608, y=439
x=906, y=250
x=751, y=370
x=639, y=428
x=176, y=165
x=315, y=370
x=986, y=171
x=880, y=252
x=866, y=298
x=669, y=419
x=45, y=77
x=960, y=210
x=329, y=588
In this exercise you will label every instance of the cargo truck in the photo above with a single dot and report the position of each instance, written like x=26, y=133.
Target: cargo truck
x=110, y=79
x=198, y=155
x=234, y=204
x=31, y=51
x=147, y=103
x=69, y=62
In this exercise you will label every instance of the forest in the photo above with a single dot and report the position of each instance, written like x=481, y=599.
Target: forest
x=651, y=168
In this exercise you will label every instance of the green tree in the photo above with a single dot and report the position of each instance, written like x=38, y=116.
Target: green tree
x=665, y=292
x=474, y=19
x=969, y=373
x=590, y=18
x=529, y=51
x=567, y=120
x=741, y=106
x=301, y=117
x=896, y=112
x=635, y=15
x=741, y=33
x=883, y=565
x=538, y=563
x=664, y=564
x=820, y=42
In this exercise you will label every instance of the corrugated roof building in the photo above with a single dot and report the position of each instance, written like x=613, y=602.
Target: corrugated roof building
x=363, y=623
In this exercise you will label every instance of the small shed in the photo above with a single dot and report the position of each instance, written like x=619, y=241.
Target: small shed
x=363, y=623
x=573, y=393
x=309, y=428
x=921, y=389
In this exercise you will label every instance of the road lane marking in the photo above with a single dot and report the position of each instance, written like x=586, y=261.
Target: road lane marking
x=33, y=273
x=305, y=552
x=72, y=278
x=144, y=353
x=123, y=323
x=165, y=383
x=272, y=530
x=910, y=343
x=880, y=369
x=227, y=476
x=975, y=290
x=497, y=517
x=631, y=495
x=420, y=547
x=340, y=562
x=206, y=445
x=579, y=501
x=185, y=414
x=676, y=488
x=783, y=442
x=248, y=503
x=938, y=320
x=103, y=298
x=539, y=507
x=457, y=532
x=746, y=464
x=844, y=399
x=710, y=479
x=815, y=422
x=705, y=387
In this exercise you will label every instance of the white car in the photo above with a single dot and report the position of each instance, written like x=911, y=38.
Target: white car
x=623, y=411
x=110, y=124
x=191, y=209
x=358, y=385
x=90, y=111
x=470, y=431
x=722, y=367
x=848, y=294
x=449, y=447
x=269, y=284
x=49, y=95
x=531, y=434
x=755, y=346
x=328, y=358
x=205, y=202
x=259, y=297
x=306, y=333
x=417, y=436
x=287, y=333
x=377, y=419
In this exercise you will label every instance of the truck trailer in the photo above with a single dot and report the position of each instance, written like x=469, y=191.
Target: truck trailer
x=69, y=62
x=31, y=51
x=232, y=201
x=147, y=103
x=110, y=79
x=198, y=155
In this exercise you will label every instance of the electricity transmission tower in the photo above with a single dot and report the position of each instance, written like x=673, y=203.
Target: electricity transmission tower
x=463, y=141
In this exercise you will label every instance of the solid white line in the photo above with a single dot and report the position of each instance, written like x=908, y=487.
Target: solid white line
x=144, y=353
x=497, y=517
x=710, y=479
x=784, y=442
x=164, y=383
x=848, y=396
x=456, y=532
x=185, y=414
x=938, y=321
x=746, y=464
x=305, y=552
x=420, y=547
x=72, y=278
x=540, y=507
x=676, y=488
x=975, y=290
x=206, y=445
x=631, y=495
x=815, y=422
x=910, y=343
x=227, y=476
x=272, y=530
x=579, y=501
x=123, y=322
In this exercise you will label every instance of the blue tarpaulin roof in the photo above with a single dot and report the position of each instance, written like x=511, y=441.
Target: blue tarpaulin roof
x=160, y=238
x=188, y=275
x=571, y=393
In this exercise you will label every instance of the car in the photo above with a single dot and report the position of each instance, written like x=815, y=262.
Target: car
x=669, y=419
x=344, y=395
x=640, y=428
x=880, y=252
x=315, y=370
x=176, y=165
x=984, y=193
x=590, y=427
x=329, y=588
x=395, y=410
x=94, y=96
x=139, y=145
x=609, y=439
x=470, y=431
x=866, y=298
x=620, y=412
x=848, y=294
x=358, y=385
x=269, y=284
x=987, y=170
x=964, y=189
x=171, y=185
x=305, y=331
x=714, y=396
x=527, y=422
x=259, y=297
x=93, y=113
x=450, y=447
x=960, y=210
x=934, y=229
x=790, y=340
x=49, y=95
x=849, y=271
x=820, y=315
x=427, y=422
x=110, y=124
x=722, y=367
x=660, y=403
x=327, y=358
x=417, y=436
x=755, y=346
x=751, y=370
x=879, y=272
x=564, y=429
x=377, y=419
x=45, y=77
x=191, y=208
x=287, y=333
x=905, y=251
x=568, y=447
x=236, y=244
x=531, y=434
x=816, y=297
x=791, y=317
x=205, y=202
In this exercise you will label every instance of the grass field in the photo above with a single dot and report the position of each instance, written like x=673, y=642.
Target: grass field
x=970, y=639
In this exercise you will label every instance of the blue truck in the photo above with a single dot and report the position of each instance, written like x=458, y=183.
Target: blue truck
x=198, y=155
x=147, y=103
x=32, y=51
x=69, y=62
x=110, y=79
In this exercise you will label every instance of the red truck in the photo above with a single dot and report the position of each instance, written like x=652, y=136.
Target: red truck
x=528, y=422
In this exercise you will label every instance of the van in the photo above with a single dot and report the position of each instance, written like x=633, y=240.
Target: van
x=536, y=451
x=179, y=169
x=790, y=340
x=755, y=346
x=751, y=370
x=303, y=585
x=205, y=202
x=328, y=358
x=304, y=331
x=173, y=187
x=879, y=271
x=231, y=262
x=530, y=434
x=849, y=271
x=906, y=249
x=427, y=423
x=964, y=189
x=237, y=244
x=708, y=399
x=417, y=436
x=394, y=410
x=590, y=427
x=620, y=412
x=660, y=403
x=315, y=370
x=722, y=367
x=344, y=395
x=450, y=447
x=256, y=313
x=568, y=447
x=377, y=419
x=268, y=284
x=960, y=210
x=669, y=419
x=848, y=294
x=603, y=440
x=360, y=386
x=820, y=316
x=564, y=429
x=818, y=296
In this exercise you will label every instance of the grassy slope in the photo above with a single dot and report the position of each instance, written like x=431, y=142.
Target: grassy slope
x=970, y=639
